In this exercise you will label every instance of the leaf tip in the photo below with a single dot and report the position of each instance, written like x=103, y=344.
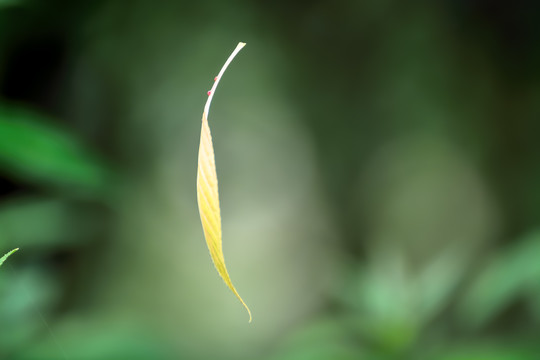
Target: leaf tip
x=4, y=258
x=247, y=309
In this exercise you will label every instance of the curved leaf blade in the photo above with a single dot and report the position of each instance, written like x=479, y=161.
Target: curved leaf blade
x=207, y=190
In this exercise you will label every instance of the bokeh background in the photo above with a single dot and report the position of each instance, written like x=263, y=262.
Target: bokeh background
x=379, y=177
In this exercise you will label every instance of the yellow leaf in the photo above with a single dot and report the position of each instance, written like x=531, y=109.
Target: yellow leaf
x=207, y=189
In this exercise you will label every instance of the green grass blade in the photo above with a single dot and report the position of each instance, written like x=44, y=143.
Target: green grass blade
x=7, y=255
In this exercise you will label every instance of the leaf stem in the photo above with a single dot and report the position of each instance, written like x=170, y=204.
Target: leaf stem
x=218, y=77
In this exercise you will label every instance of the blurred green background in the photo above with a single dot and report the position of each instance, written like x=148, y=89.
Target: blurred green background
x=379, y=177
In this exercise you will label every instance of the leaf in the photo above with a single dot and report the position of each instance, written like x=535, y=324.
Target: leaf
x=34, y=150
x=512, y=274
x=207, y=189
x=7, y=255
x=8, y=3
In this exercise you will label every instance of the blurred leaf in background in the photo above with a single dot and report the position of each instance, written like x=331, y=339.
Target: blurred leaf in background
x=33, y=150
x=510, y=275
